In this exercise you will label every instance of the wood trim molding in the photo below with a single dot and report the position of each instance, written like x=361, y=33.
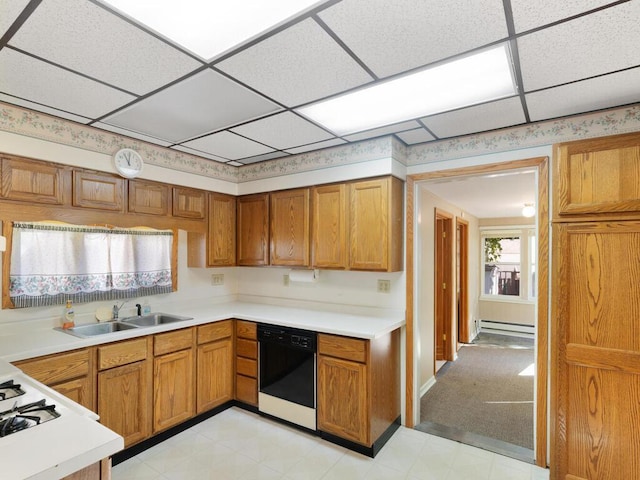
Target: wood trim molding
x=542, y=363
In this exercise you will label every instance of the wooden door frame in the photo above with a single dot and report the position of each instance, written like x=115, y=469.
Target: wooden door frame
x=447, y=278
x=462, y=316
x=541, y=164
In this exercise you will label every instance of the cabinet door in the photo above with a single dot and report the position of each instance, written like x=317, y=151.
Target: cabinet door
x=31, y=181
x=599, y=176
x=123, y=401
x=214, y=374
x=595, y=336
x=329, y=236
x=188, y=203
x=221, y=250
x=79, y=390
x=343, y=399
x=101, y=191
x=253, y=229
x=247, y=390
x=290, y=227
x=376, y=224
x=172, y=389
x=147, y=197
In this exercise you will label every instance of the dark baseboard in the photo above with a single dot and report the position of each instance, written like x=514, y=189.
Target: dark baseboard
x=371, y=451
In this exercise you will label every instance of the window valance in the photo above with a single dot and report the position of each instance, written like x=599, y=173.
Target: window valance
x=53, y=262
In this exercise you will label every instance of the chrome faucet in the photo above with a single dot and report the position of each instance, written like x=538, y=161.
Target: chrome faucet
x=116, y=310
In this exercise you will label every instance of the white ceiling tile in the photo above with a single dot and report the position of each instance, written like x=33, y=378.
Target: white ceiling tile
x=419, y=135
x=594, y=94
x=85, y=37
x=528, y=14
x=203, y=103
x=283, y=131
x=298, y=65
x=378, y=132
x=395, y=36
x=479, y=118
x=262, y=158
x=43, y=108
x=591, y=45
x=193, y=151
x=26, y=77
x=9, y=12
x=129, y=133
x=316, y=146
x=228, y=145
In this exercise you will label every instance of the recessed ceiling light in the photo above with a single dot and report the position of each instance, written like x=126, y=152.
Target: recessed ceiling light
x=210, y=28
x=470, y=80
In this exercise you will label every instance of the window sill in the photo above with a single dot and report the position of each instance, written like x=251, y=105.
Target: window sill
x=507, y=299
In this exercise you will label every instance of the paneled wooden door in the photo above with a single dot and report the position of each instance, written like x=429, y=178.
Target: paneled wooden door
x=443, y=285
x=596, y=351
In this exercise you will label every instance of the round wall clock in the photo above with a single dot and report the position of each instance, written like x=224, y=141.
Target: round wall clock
x=128, y=162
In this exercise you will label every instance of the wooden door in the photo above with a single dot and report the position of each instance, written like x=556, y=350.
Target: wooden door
x=443, y=286
x=343, y=399
x=253, y=229
x=221, y=250
x=462, y=276
x=596, y=351
x=214, y=374
x=30, y=181
x=290, y=227
x=369, y=218
x=173, y=388
x=123, y=406
x=98, y=190
x=148, y=197
x=189, y=203
x=329, y=242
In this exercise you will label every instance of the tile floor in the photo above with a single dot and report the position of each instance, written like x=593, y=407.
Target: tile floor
x=237, y=444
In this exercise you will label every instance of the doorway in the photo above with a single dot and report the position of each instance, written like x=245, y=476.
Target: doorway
x=462, y=279
x=415, y=275
x=443, y=287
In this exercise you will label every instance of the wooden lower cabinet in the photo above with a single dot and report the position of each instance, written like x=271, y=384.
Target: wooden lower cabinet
x=214, y=374
x=358, y=386
x=247, y=362
x=173, y=387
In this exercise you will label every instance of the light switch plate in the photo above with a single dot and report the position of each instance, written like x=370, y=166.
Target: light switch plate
x=384, y=286
x=217, y=279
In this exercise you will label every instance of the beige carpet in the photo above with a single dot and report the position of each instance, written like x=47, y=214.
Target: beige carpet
x=483, y=392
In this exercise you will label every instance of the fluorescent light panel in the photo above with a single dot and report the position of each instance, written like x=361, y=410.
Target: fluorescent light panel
x=209, y=28
x=467, y=81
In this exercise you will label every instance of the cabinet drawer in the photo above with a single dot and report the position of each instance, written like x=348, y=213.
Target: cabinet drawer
x=247, y=367
x=247, y=348
x=247, y=390
x=214, y=331
x=172, y=341
x=246, y=330
x=343, y=347
x=57, y=368
x=122, y=353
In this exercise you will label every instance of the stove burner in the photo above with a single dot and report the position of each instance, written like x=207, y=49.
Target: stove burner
x=13, y=425
x=26, y=416
x=9, y=389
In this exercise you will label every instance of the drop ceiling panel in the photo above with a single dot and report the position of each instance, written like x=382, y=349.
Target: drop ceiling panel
x=297, y=66
x=594, y=94
x=378, y=132
x=203, y=103
x=132, y=134
x=394, y=36
x=317, y=146
x=9, y=11
x=283, y=131
x=86, y=38
x=43, y=108
x=528, y=14
x=26, y=77
x=228, y=145
x=411, y=137
x=193, y=151
x=592, y=45
x=262, y=158
x=479, y=118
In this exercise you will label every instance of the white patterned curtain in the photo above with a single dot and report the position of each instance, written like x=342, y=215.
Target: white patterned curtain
x=55, y=262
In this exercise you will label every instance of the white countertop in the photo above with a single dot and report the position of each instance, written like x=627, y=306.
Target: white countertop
x=36, y=338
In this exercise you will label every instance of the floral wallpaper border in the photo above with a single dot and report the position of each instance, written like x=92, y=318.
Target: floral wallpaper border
x=46, y=127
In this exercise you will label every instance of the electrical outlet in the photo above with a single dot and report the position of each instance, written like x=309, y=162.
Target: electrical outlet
x=217, y=279
x=384, y=286
x=285, y=280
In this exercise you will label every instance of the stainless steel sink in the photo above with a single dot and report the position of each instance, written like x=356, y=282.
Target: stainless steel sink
x=154, y=319
x=93, y=329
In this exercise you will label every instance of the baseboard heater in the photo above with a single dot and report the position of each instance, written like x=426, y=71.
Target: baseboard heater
x=507, y=328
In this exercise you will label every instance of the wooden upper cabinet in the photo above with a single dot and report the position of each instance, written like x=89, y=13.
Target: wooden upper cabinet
x=599, y=176
x=148, y=197
x=253, y=229
x=189, y=203
x=376, y=221
x=290, y=227
x=330, y=230
x=31, y=181
x=98, y=190
x=221, y=250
